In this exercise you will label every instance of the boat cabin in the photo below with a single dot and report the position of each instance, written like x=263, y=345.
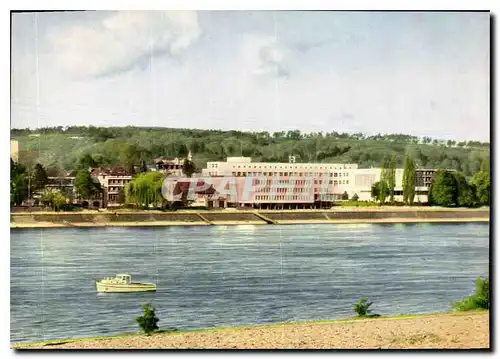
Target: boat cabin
x=124, y=278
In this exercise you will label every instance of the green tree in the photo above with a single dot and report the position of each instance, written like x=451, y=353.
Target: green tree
x=129, y=156
x=144, y=168
x=481, y=183
x=345, y=196
x=485, y=165
x=380, y=191
x=383, y=185
x=375, y=190
x=18, y=184
x=40, y=178
x=443, y=191
x=391, y=178
x=148, y=322
x=86, y=162
x=85, y=185
x=355, y=197
x=53, y=171
x=362, y=307
x=145, y=189
x=480, y=299
x=53, y=197
x=409, y=180
x=466, y=193
x=188, y=168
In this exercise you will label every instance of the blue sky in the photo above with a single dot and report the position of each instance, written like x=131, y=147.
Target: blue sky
x=425, y=74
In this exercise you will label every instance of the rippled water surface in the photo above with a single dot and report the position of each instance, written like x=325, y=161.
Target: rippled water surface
x=237, y=275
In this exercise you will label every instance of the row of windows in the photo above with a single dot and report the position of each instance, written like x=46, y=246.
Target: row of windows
x=286, y=174
x=283, y=190
x=270, y=182
x=113, y=198
x=111, y=189
x=290, y=167
x=302, y=182
x=335, y=183
x=118, y=181
x=418, y=193
x=283, y=198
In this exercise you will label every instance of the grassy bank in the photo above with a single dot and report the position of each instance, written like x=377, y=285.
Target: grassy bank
x=439, y=330
x=225, y=217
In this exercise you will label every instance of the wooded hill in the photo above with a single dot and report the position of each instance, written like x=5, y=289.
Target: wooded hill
x=59, y=149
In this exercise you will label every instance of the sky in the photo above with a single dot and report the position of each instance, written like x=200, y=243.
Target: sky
x=419, y=73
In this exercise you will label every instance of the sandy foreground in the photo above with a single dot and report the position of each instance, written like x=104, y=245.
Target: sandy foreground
x=437, y=331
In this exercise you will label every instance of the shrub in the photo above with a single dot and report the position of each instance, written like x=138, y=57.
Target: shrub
x=355, y=197
x=479, y=300
x=352, y=203
x=68, y=207
x=362, y=307
x=148, y=321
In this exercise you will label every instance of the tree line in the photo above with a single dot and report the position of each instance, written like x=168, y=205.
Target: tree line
x=59, y=149
x=447, y=189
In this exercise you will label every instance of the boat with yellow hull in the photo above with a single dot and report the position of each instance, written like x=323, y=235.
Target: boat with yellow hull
x=122, y=283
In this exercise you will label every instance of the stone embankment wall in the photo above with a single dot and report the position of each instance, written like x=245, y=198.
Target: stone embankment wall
x=365, y=215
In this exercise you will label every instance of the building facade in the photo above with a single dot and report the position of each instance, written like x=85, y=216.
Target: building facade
x=14, y=150
x=64, y=184
x=113, y=182
x=171, y=165
x=290, y=185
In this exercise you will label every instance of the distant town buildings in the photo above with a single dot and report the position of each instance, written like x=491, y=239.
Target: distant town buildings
x=262, y=185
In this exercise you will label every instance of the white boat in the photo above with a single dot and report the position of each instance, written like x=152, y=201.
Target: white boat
x=122, y=283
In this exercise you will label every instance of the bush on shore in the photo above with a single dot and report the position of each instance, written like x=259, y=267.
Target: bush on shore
x=480, y=299
x=148, y=322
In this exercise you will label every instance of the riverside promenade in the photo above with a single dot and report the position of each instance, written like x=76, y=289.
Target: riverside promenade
x=124, y=218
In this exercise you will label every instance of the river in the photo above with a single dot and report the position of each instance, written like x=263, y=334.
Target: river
x=237, y=275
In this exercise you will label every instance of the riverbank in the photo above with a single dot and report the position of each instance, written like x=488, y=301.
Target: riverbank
x=247, y=217
x=465, y=330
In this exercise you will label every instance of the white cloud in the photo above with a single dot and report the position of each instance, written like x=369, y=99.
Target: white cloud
x=124, y=40
x=264, y=56
x=234, y=82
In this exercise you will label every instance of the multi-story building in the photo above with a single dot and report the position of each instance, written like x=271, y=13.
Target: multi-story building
x=243, y=166
x=171, y=165
x=65, y=184
x=14, y=150
x=364, y=178
x=424, y=177
x=113, y=182
x=313, y=183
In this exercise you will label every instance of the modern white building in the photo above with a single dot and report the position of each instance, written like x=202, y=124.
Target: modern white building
x=364, y=178
x=243, y=166
x=329, y=180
